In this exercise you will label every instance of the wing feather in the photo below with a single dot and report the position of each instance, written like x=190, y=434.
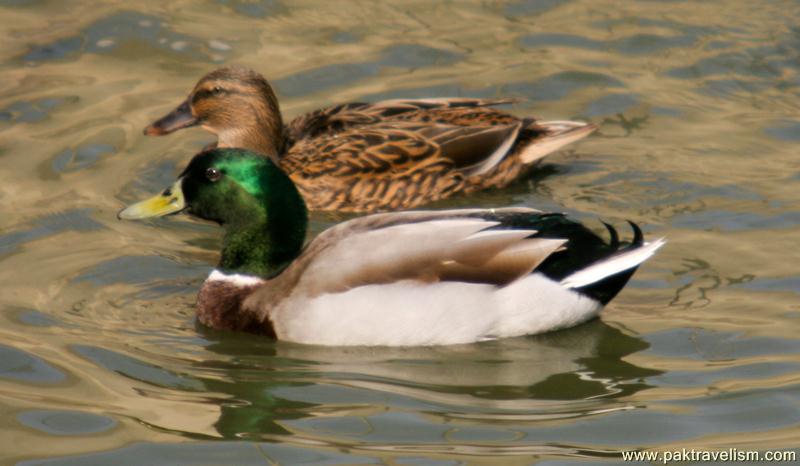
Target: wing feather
x=337, y=118
x=416, y=245
x=398, y=147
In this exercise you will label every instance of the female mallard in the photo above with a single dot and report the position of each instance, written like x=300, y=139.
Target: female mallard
x=366, y=157
x=409, y=278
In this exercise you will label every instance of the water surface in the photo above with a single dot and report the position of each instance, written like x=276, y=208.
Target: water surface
x=101, y=361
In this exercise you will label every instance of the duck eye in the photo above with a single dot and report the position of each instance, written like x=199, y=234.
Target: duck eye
x=216, y=90
x=213, y=174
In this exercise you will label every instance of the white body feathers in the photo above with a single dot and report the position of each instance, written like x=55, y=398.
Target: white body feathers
x=370, y=281
x=410, y=313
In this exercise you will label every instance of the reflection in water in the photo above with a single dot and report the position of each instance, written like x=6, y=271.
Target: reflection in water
x=100, y=358
x=483, y=397
x=562, y=375
x=65, y=422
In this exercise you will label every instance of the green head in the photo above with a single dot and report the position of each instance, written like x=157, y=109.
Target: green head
x=264, y=216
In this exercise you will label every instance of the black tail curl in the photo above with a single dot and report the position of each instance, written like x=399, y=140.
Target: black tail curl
x=638, y=236
x=606, y=289
x=583, y=248
x=614, y=237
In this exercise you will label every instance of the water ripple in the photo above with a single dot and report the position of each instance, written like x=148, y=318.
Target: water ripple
x=58, y=422
x=112, y=34
x=400, y=55
x=20, y=366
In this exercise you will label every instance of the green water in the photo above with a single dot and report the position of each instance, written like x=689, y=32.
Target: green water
x=101, y=362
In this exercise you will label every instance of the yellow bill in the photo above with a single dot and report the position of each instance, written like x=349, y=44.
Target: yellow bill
x=168, y=202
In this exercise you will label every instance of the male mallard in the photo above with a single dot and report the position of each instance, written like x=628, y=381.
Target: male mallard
x=408, y=278
x=366, y=157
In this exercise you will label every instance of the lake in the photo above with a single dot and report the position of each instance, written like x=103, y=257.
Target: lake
x=698, y=108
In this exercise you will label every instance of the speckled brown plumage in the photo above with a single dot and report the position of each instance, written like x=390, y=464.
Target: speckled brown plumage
x=362, y=157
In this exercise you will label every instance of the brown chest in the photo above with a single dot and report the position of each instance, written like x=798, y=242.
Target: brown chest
x=219, y=305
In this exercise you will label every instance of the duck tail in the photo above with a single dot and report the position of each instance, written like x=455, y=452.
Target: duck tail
x=551, y=136
x=603, y=279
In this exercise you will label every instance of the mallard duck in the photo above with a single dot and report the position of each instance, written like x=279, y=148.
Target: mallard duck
x=407, y=278
x=362, y=157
